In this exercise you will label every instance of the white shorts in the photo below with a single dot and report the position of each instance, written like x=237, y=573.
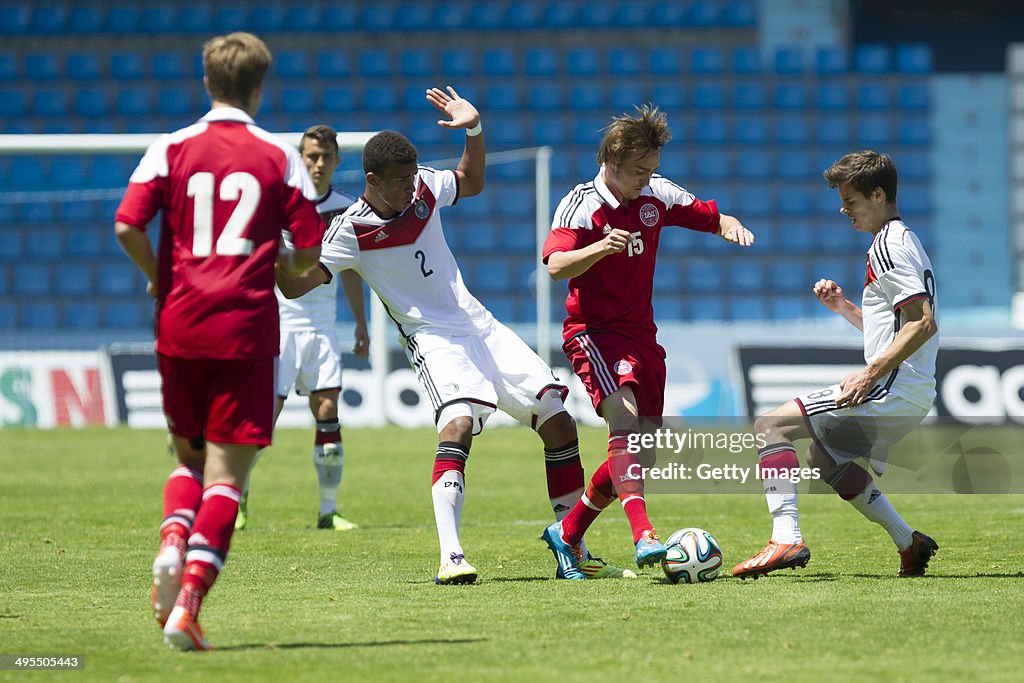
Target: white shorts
x=865, y=431
x=486, y=371
x=310, y=362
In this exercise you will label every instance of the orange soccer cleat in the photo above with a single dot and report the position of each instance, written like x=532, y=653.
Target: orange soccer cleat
x=182, y=632
x=774, y=556
x=914, y=560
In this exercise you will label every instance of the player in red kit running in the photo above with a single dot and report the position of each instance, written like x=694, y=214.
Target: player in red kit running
x=226, y=188
x=604, y=238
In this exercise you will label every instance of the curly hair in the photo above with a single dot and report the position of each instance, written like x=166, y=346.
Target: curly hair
x=638, y=135
x=864, y=171
x=385, y=148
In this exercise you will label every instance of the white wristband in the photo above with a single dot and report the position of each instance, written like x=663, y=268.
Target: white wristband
x=475, y=130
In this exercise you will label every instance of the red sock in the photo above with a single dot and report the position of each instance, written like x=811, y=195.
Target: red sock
x=628, y=482
x=451, y=455
x=182, y=495
x=598, y=496
x=208, y=545
x=564, y=476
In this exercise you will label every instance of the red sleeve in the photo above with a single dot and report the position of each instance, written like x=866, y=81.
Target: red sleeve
x=304, y=222
x=697, y=215
x=561, y=239
x=140, y=203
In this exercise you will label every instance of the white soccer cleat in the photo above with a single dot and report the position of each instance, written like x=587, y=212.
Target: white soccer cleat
x=455, y=570
x=167, y=569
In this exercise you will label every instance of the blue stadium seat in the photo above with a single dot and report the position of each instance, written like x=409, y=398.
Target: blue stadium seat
x=486, y=15
x=81, y=315
x=124, y=19
x=873, y=96
x=8, y=67
x=795, y=163
x=451, y=15
x=871, y=59
x=626, y=96
x=706, y=61
x=134, y=101
x=92, y=103
x=712, y=130
x=754, y=164
x=168, y=66
x=544, y=97
x=560, y=14
x=789, y=61
x=915, y=198
x=583, y=61
x=796, y=201
x=339, y=100
x=708, y=96
x=502, y=98
x=67, y=172
x=757, y=200
x=914, y=97
x=49, y=102
x=664, y=61
x=913, y=165
x=515, y=200
x=749, y=96
x=40, y=315
x=499, y=61
x=457, y=62
x=126, y=314
x=831, y=61
x=413, y=99
x=231, y=17
x=8, y=309
x=783, y=307
x=84, y=242
x=177, y=100
x=424, y=132
x=752, y=130
x=159, y=19
x=378, y=16
x=704, y=275
x=198, y=18
x=523, y=15
x=519, y=237
x=832, y=96
x=914, y=59
x=267, y=17
x=791, y=129
x=624, y=62
x=789, y=275
x=4, y=286
x=12, y=245
x=540, y=61
x=503, y=306
x=49, y=19
x=291, y=64
x=32, y=173
x=706, y=307
x=746, y=61
x=375, y=63
x=675, y=162
x=507, y=130
x=873, y=129
x=797, y=234
x=703, y=13
x=415, y=16
x=333, y=64
x=297, y=101
x=586, y=163
x=833, y=129
x=586, y=97
x=379, y=98
x=630, y=14
x=31, y=279
x=41, y=66
x=416, y=62
x=739, y=14
x=14, y=20
x=790, y=96
x=126, y=66
x=668, y=277
x=74, y=279
x=37, y=212
x=597, y=15
x=713, y=163
x=302, y=18
x=339, y=17
x=746, y=274
x=668, y=13
x=117, y=279
x=669, y=97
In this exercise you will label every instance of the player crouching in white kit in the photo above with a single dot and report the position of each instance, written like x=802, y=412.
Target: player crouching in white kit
x=875, y=407
x=468, y=364
x=310, y=361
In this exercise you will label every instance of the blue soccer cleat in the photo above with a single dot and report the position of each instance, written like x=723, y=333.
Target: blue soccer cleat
x=567, y=556
x=649, y=550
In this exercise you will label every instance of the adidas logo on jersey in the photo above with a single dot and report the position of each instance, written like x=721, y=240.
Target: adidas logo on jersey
x=380, y=236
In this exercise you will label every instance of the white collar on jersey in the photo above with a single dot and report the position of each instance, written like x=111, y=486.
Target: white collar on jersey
x=603, y=191
x=227, y=114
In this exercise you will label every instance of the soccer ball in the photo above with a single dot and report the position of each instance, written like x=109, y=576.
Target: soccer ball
x=694, y=556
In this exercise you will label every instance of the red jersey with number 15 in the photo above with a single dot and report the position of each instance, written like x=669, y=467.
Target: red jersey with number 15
x=615, y=293
x=225, y=188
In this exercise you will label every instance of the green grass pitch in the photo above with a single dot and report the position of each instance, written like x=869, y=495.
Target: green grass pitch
x=79, y=512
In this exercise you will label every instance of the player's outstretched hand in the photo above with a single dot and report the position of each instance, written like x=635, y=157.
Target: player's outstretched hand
x=615, y=241
x=829, y=294
x=362, y=346
x=731, y=230
x=460, y=111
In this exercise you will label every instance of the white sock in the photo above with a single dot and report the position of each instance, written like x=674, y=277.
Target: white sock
x=782, y=503
x=563, y=505
x=448, y=493
x=328, y=459
x=873, y=504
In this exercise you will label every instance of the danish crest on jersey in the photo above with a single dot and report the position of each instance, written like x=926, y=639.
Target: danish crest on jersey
x=623, y=367
x=422, y=210
x=649, y=215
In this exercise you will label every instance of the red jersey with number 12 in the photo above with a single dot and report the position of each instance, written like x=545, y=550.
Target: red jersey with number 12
x=225, y=188
x=614, y=294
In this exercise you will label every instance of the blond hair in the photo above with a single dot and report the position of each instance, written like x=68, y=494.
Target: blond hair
x=628, y=136
x=235, y=65
x=865, y=171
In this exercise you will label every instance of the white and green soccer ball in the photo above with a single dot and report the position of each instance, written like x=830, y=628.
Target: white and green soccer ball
x=694, y=556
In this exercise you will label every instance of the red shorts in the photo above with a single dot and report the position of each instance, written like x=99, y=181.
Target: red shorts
x=606, y=361
x=226, y=401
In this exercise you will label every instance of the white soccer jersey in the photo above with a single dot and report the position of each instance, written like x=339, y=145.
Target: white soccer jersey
x=406, y=260
x=899, y=271
x=316, y=309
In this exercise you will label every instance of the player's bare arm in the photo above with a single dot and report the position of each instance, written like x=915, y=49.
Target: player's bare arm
x=566, y=264
x=298, y=260
x=294, y=284
x=135, y=243
x=831, y=296
x=918, y=327
x=731, y=230
x=352, y=285
x=462, y=114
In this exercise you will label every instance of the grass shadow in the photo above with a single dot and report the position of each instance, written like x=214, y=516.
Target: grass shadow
x=341, y=646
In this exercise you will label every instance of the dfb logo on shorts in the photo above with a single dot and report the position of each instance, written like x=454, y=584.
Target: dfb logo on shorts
x=623, y=367
x=422, y=210
x=649, y=215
